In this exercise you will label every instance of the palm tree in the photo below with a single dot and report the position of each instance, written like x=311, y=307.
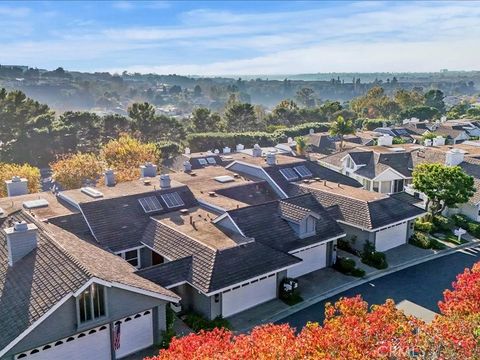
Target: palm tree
x=342, y=127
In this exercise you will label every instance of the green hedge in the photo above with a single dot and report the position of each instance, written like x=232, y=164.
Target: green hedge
x=373, y=258
x=348, y=267
x=464, y=222
x=424, y=226
x=197, y=322
x=208, y=141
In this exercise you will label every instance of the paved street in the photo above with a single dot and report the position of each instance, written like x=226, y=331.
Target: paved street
x=422, y=284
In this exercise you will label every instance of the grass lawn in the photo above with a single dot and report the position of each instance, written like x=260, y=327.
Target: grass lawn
x=450, y=237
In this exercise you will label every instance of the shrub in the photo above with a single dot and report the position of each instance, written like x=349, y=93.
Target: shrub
x=473, y=228
x=460, y=221
x=424, y=226
x=442, y=223
x=197, y=322
x=358, y=272
x=373, y=258
x=347, y=266
x=420, y=240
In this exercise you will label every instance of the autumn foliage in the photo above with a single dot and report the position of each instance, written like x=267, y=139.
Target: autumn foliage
x=353, y=330
x=73, y=171
x=32, y=174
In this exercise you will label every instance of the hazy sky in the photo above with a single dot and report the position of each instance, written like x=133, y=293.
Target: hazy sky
x=213, y=38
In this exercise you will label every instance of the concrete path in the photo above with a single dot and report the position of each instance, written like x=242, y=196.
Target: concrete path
x=325, y=283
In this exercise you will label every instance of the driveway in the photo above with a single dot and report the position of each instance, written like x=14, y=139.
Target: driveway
x=422, y=284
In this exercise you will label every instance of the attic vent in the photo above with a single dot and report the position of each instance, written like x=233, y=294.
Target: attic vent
x=91, y=192
x=172, y=200
x=35, y=204
x=211, y=161
x=224, y=179
x=150, y=204
x=202, y=161
x=303, y=171
x=289, y=174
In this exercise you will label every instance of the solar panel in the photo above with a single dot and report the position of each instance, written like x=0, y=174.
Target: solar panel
x=289, y=174
x=211, y=161
x=202, y=161
x=150, y=204
x=173, y=200
x=303, y=171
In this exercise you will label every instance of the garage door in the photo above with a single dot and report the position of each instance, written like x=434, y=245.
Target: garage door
x=391, y=237
x=91, y=344
x=249, y=295
x=136, y=333
x=314, y=258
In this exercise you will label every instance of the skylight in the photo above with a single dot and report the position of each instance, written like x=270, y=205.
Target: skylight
x=289, y=174
x=172, y=200
x=202, y=161
x=224, y=179
x=303, y=171
x=35, y=204
x=91, y=192
x=211, y=161
x=150, y=204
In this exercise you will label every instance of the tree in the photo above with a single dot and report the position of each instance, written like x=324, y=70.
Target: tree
x=32, y=174
x=203, y=120
x=305, y=96
x=340, y=128
x=408, y=99
x=285, y=113
x=126, y=154
x=142, y=114
x=197, y=91
x=240, y=117
x=75, y=170
x=301, y=144
x=420, y=112
x=78, y=131
x=434, y=99
x=444, y=186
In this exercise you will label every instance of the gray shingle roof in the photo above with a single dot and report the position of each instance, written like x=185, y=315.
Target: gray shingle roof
x=210, y=269
x=118, y=223
x=472, y=167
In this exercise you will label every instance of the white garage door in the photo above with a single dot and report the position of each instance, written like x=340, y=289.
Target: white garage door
x=391, y=237
x=249, y=295
x=314, y=258
x=136, y=333
x=90, y=344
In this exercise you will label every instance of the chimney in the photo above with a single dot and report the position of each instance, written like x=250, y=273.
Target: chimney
x=290, y=141
x=428, y=142
x=17, y=186
x=109, y=177
x=257, y=151
x=311, y=131
x=187, y=167
x=439, y=141
x=216, y=151
x=240, y=147
x=227, y=150
x=385, y=140
x=164, y=181
x=454, y=157
x=148, y=170
x=187, y=151
x=21, y=240
x=271, y=159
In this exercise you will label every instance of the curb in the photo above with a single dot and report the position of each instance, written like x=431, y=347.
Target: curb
x=372, y=276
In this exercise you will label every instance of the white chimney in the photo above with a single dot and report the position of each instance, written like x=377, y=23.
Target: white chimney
x=439, y=141
x=109, y=177
x=454, y=157
x=21, y=240
x=428, y=142
x=187, y=167
x=271, y=158
x=257, y=151
x=290, y=141
x=17, y=186
x=187, y=151
x=148, y=170
x=443, y=119
x=164, y=181
x=216, y=151
x=311, y=131
x=240, y=147
x=385, y=140
x=227, y=150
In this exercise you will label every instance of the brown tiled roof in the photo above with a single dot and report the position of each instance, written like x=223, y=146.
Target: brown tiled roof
x=292, y=212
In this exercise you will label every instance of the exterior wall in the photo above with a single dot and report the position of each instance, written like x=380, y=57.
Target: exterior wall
x=467, y=209
x=362, y=236
x=145, y=257
x=195, y=301
x=63, y=322
x=410, y=229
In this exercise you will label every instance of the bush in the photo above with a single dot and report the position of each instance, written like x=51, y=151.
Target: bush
x=197, y=322
x=460, y=221
x=442, y=223
x=347, y=266
x=423, y=226
x=473, y=228
x=420, y=240
x=373, y=258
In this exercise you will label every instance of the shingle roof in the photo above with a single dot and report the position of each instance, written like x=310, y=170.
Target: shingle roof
x=118, y=223
x=266, y=225
x=292, y=212
x=169, y=273
x=367, y=214
x=59, y=266
x=472, y=167
x=210, y=269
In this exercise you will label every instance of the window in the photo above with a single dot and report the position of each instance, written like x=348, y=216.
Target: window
x=289, y=174
x=173, y=200
x=303, y=171
x=350, y=164
x=132, y=257
x=91, y=303
x=150, y=204
x=202, y=161
x=366, y=184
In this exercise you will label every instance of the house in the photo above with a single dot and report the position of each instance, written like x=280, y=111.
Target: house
x=396, y=132
x=61, y=297
x=384, y=221
x=281, y=171
x=325, y=144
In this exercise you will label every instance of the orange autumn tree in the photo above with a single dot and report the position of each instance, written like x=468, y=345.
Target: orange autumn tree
x=352, y=330
x=73, y=171
x=31, y=173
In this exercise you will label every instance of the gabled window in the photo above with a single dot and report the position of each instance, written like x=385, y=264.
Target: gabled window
x=132, y=257
x=91, y=303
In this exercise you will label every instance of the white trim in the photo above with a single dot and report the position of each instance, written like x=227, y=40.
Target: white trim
x=72, y=202
x=258, y=168
x=129, y=249
x=223, y=216
x=391, y=169
x=90, y=282
x=156, y=251
x=35, y=324
x=316, y=244
x=206, y=203
x=145, y=292
x=383, y=227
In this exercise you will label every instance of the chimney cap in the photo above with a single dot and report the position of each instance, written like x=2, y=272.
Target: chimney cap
x=20, y=226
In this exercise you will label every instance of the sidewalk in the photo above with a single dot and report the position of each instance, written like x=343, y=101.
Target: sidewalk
x=322, y=284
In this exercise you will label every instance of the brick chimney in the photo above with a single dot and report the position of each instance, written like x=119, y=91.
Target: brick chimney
x=21, y=240
x=17, y=186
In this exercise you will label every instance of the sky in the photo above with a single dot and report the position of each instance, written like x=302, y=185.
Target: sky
x=235, y=38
